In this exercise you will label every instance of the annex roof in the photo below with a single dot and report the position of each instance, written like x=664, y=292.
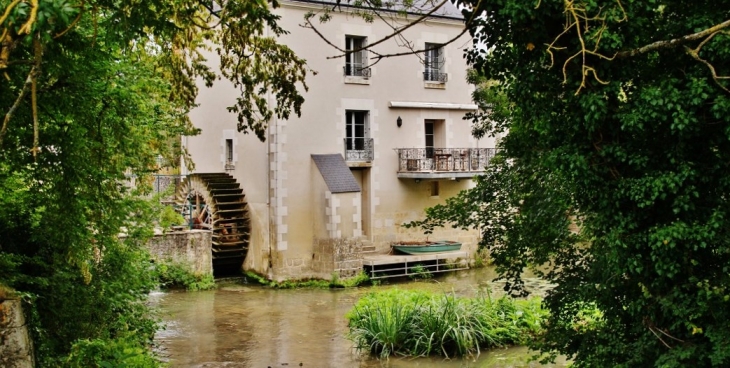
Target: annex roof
x=336, y=173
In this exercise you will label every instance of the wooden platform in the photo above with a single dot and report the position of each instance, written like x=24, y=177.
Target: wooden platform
x=380, y=266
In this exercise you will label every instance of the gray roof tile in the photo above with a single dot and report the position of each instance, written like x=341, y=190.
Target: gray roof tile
x=336, y=174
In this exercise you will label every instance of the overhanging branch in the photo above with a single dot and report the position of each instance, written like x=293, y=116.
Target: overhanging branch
x=673, y=42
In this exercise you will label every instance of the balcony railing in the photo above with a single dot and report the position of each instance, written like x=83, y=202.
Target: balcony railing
x=359, y=149
x=160, y=184
x=435, y=76
x=355, y=70
x=443, y=159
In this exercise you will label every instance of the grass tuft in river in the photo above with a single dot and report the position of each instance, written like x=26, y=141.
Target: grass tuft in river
x=420, y=323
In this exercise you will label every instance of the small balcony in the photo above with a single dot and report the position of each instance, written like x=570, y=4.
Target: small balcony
x=442, y=163
x=359, y=152
x=435, y=76
x=356, y=70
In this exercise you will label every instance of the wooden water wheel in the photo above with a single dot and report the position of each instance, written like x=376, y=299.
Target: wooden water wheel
x=215, y=201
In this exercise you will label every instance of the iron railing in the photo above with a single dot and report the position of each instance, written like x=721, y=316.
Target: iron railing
x=444, y=159
x=359, y=149
x=161, y=183
x=229, y=166
x=355, y=70
x=435, y=76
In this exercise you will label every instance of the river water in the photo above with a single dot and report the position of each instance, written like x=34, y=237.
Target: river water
x=241, y=325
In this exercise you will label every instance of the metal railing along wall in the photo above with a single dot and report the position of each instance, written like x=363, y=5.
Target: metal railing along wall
x=359, y=149
x=356, y=70
x=434, y=76
x=160, y=183
x=444, y=159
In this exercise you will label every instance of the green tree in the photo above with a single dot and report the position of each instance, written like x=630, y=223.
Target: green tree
x=91, y=90
x=618, y=121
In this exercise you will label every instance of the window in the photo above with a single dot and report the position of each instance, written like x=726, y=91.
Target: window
x=229, y=150
x=434, y=189
x=356, y=130
x=356, y=62
x=434, y=62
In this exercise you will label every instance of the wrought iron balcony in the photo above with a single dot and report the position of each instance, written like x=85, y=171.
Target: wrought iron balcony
x=435, y=76
x=356, y=70
x=442, y=162
x=359, y=150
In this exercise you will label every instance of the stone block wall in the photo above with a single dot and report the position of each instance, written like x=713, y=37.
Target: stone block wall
x=190, y=248
x=347, y=256
x=340, y=255
x=16, y=348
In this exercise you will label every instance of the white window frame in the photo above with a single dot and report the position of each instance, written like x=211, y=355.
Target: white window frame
x=354, y=141
x=433, y=60
x=356, y=62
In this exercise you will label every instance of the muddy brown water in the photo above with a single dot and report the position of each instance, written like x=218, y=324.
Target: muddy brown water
x=241, y=325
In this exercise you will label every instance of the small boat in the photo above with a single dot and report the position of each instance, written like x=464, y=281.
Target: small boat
x=414, y=248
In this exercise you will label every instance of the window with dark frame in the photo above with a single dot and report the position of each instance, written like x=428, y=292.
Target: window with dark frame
x=229, y=150
x=355, y=129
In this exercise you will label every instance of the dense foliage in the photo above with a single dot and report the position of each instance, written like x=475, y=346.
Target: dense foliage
x=420, y=323
x=171, y=275
x=90, y=91
x=614, y=172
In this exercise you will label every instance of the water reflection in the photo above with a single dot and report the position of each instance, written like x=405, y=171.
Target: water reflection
x=249, y=326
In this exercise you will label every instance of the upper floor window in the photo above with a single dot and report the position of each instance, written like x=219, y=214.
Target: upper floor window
x=356, y=129
x=356, y=62
x=358, y=144
x=434, y=63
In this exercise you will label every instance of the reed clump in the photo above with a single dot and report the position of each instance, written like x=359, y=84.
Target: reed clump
x=420, y=323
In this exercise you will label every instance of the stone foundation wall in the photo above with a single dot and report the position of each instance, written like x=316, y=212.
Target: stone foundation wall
x=347, y=256
x=16, y=348
x=340, y=255
x=323, y=257
x=190, y=248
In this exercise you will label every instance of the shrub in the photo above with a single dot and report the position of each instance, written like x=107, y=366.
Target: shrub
x=110, y=353
x=172, y=275
x=419, y=323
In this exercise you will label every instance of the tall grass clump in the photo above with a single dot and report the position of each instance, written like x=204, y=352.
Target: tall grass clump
x=420, y=323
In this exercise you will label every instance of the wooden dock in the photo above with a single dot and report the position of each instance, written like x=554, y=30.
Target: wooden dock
x=380, y=266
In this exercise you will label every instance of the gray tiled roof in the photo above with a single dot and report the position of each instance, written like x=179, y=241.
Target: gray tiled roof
x=336, y=174
x=448, y=10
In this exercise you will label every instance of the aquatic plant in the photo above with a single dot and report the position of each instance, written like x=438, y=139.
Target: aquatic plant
x=419, y=271
x=173, y=275
x=420, y=323
x=336, y=282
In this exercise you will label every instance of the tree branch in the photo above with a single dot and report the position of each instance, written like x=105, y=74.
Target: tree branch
x=368, y=47
x=75, y=21
x=9, y=114
x=673, y=42
x=38, y=51
x=695, y=54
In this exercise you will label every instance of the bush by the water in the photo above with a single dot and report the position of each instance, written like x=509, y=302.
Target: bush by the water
x=420, y=323
x=177, y=276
